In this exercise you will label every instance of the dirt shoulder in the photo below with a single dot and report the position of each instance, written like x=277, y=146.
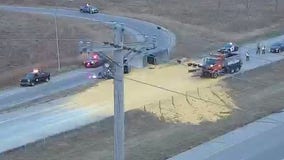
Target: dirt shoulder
x=155, y=133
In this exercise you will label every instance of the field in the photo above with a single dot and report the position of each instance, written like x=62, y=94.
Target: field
x=29, y=42
x=199, y=26
x=162, y=124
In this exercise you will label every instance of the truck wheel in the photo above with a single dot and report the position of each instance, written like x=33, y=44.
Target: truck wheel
x=236, y=48
x=238, y=69
x=100, y=75
x=47, y=79
x=232, y=70
x=214, y=75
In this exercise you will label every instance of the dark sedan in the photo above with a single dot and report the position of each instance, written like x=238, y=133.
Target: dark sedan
x=277, y=47
x=35, y=77
x=89, y=9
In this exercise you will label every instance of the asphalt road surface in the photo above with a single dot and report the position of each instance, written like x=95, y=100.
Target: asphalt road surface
x=261, y=140
x=24, y=126
x=20, y=95
x=16, y=96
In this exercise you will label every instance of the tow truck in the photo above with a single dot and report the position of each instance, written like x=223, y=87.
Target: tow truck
x=218, y=64
x=35, y=77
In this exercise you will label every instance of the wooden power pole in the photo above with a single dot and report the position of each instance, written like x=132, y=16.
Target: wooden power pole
x=119, y=133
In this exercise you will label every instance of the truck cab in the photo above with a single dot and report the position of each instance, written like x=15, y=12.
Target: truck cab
x=217, y=64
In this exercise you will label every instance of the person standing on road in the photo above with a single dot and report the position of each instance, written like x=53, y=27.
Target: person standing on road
x=258, y=49
x=247, y=56
x=263, y=49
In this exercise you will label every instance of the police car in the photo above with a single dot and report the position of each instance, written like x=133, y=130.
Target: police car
x=35, y=77
x=94, y=60
x=89, y=9
x=229, y=47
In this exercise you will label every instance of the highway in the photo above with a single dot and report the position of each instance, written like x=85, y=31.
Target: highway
x=24, y=126
x=136, y=28
x=27, y=125
x=260, y=140
x=39, y=121
x=20, y=95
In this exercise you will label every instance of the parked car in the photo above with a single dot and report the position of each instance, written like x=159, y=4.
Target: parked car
x=35, y=77
x=95, y=60
x=229, y=47
x=89, y=9
x=277, y=47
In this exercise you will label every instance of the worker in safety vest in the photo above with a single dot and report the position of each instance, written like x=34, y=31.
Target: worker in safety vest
x=247, y=56
x=263, y=49
x=258, y=49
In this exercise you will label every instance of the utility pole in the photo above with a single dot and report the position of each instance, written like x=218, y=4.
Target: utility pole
x=57, y=42
x=119, y=134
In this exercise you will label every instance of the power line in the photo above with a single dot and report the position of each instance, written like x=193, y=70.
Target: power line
x=173, y=91
x=37, y=39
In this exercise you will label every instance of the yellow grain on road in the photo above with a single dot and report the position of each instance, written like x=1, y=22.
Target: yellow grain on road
x=209, y=102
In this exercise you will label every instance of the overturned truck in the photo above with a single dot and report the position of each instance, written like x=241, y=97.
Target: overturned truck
x=215, y=65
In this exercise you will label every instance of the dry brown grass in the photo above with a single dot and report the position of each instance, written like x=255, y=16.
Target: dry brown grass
x=208, y=20
x=29, y=42
x=199, y=25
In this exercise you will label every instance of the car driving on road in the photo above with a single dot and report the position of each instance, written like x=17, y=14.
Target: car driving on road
x=35, y=77
x=89, y=9
x=229, y=47
x=277, y=47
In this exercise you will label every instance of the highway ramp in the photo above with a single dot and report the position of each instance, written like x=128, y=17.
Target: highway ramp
x=136, y=28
